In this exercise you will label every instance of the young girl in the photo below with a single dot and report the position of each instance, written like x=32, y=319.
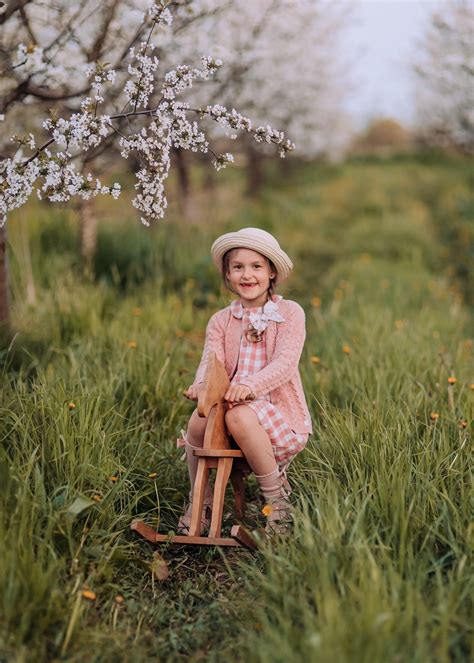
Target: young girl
x=259, y=339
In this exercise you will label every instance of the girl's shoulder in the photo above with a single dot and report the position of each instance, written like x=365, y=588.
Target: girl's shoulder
x=290, y=307
x=220, y=317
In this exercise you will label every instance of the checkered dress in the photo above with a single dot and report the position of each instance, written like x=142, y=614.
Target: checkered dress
x=252, y=358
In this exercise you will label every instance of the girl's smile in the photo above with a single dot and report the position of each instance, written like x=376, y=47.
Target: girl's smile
x=249, y=276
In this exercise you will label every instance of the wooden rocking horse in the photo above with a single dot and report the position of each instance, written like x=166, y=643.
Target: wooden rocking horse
x=217, y=454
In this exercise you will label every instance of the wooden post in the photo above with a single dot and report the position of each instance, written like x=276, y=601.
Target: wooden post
x=4, y=288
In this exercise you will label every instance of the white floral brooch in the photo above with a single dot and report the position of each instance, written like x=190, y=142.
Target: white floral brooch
x=259, y=321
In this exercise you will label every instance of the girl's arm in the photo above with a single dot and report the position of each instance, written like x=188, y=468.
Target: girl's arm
x=288, y=348
x=214, y=343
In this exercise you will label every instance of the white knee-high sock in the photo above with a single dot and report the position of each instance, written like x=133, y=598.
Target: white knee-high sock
x=271, y=484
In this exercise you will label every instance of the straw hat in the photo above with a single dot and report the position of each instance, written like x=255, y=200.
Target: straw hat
x=256, y=240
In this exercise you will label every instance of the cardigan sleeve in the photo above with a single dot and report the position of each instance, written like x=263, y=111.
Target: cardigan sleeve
x=284, y=364
x=214, y=342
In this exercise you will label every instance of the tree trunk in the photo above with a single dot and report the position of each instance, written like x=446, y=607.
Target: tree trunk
x=87, y=232
x=210, y=181
x=4, y=290
x=185, y=200
x=254, y=172
x=287, y=165
x=26, y=259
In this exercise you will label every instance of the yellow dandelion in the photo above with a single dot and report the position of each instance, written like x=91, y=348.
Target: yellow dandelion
x=89, y=595
x=316, y=302
x=119, y=599
x=113, y=479
x=472, y=386
x=153, y=475
x=97, y=498
x=452, y=380
x=267, y=510
x=365, y=257
x=346, y=349
x=315, y=359
x=71, y=406
x=136, y=312
x=434, y=416
x=132, y=344
x=399, y=324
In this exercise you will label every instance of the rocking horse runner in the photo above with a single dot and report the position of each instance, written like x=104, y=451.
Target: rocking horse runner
x=258, y=339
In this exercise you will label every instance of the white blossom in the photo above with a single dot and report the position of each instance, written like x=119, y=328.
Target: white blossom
x=140, y=86
x=16, y=185
x=149, y=132
x=159, y=13
x=30, y=58
x=222, y=160
x=182, y=77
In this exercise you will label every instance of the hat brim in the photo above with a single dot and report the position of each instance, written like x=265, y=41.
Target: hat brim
x=239, y=240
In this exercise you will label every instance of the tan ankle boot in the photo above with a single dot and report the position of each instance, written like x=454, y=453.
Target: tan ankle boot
x=275, y=490
x=184, y=522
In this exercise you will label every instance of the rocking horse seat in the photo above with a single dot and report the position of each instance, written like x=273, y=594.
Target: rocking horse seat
x=219, y=453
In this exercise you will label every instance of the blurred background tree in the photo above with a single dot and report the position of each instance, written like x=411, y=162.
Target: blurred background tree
x=445, y=71
x=383, y=137
x=284, y=64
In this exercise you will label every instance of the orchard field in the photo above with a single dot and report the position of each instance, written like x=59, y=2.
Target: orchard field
x=379, y=566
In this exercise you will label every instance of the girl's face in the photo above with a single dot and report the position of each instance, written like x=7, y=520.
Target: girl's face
x=249, y=276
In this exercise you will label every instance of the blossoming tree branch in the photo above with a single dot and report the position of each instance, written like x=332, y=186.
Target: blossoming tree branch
x=166, y=124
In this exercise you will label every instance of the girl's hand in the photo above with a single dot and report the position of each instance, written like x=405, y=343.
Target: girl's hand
x=191, y=393
x=238, y=393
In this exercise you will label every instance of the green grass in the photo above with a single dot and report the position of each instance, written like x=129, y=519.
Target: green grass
x=379, y=565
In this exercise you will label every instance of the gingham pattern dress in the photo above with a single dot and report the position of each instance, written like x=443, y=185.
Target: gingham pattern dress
x=252, y=358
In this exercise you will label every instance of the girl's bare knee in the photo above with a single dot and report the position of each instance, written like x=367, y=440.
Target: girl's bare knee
x=196, y=429
x=238, y=417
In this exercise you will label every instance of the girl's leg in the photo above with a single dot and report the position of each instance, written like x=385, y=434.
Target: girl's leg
x=253, y=440
x=194, y=438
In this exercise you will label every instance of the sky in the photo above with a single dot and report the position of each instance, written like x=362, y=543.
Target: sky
x=381, y=43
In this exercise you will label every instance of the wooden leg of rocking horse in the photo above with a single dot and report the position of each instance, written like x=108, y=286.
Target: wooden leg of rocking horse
x=224, y=468
x=200, y=484
x=238, y=484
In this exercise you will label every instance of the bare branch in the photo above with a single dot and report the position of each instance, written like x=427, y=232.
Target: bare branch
x=12, y=7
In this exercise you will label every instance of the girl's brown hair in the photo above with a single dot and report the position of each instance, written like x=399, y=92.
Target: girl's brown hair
x=225, y=268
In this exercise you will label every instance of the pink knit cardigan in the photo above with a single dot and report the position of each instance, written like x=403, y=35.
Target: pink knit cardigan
x=280, y=378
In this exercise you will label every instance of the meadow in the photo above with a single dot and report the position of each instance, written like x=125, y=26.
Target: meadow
x=379, y=566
